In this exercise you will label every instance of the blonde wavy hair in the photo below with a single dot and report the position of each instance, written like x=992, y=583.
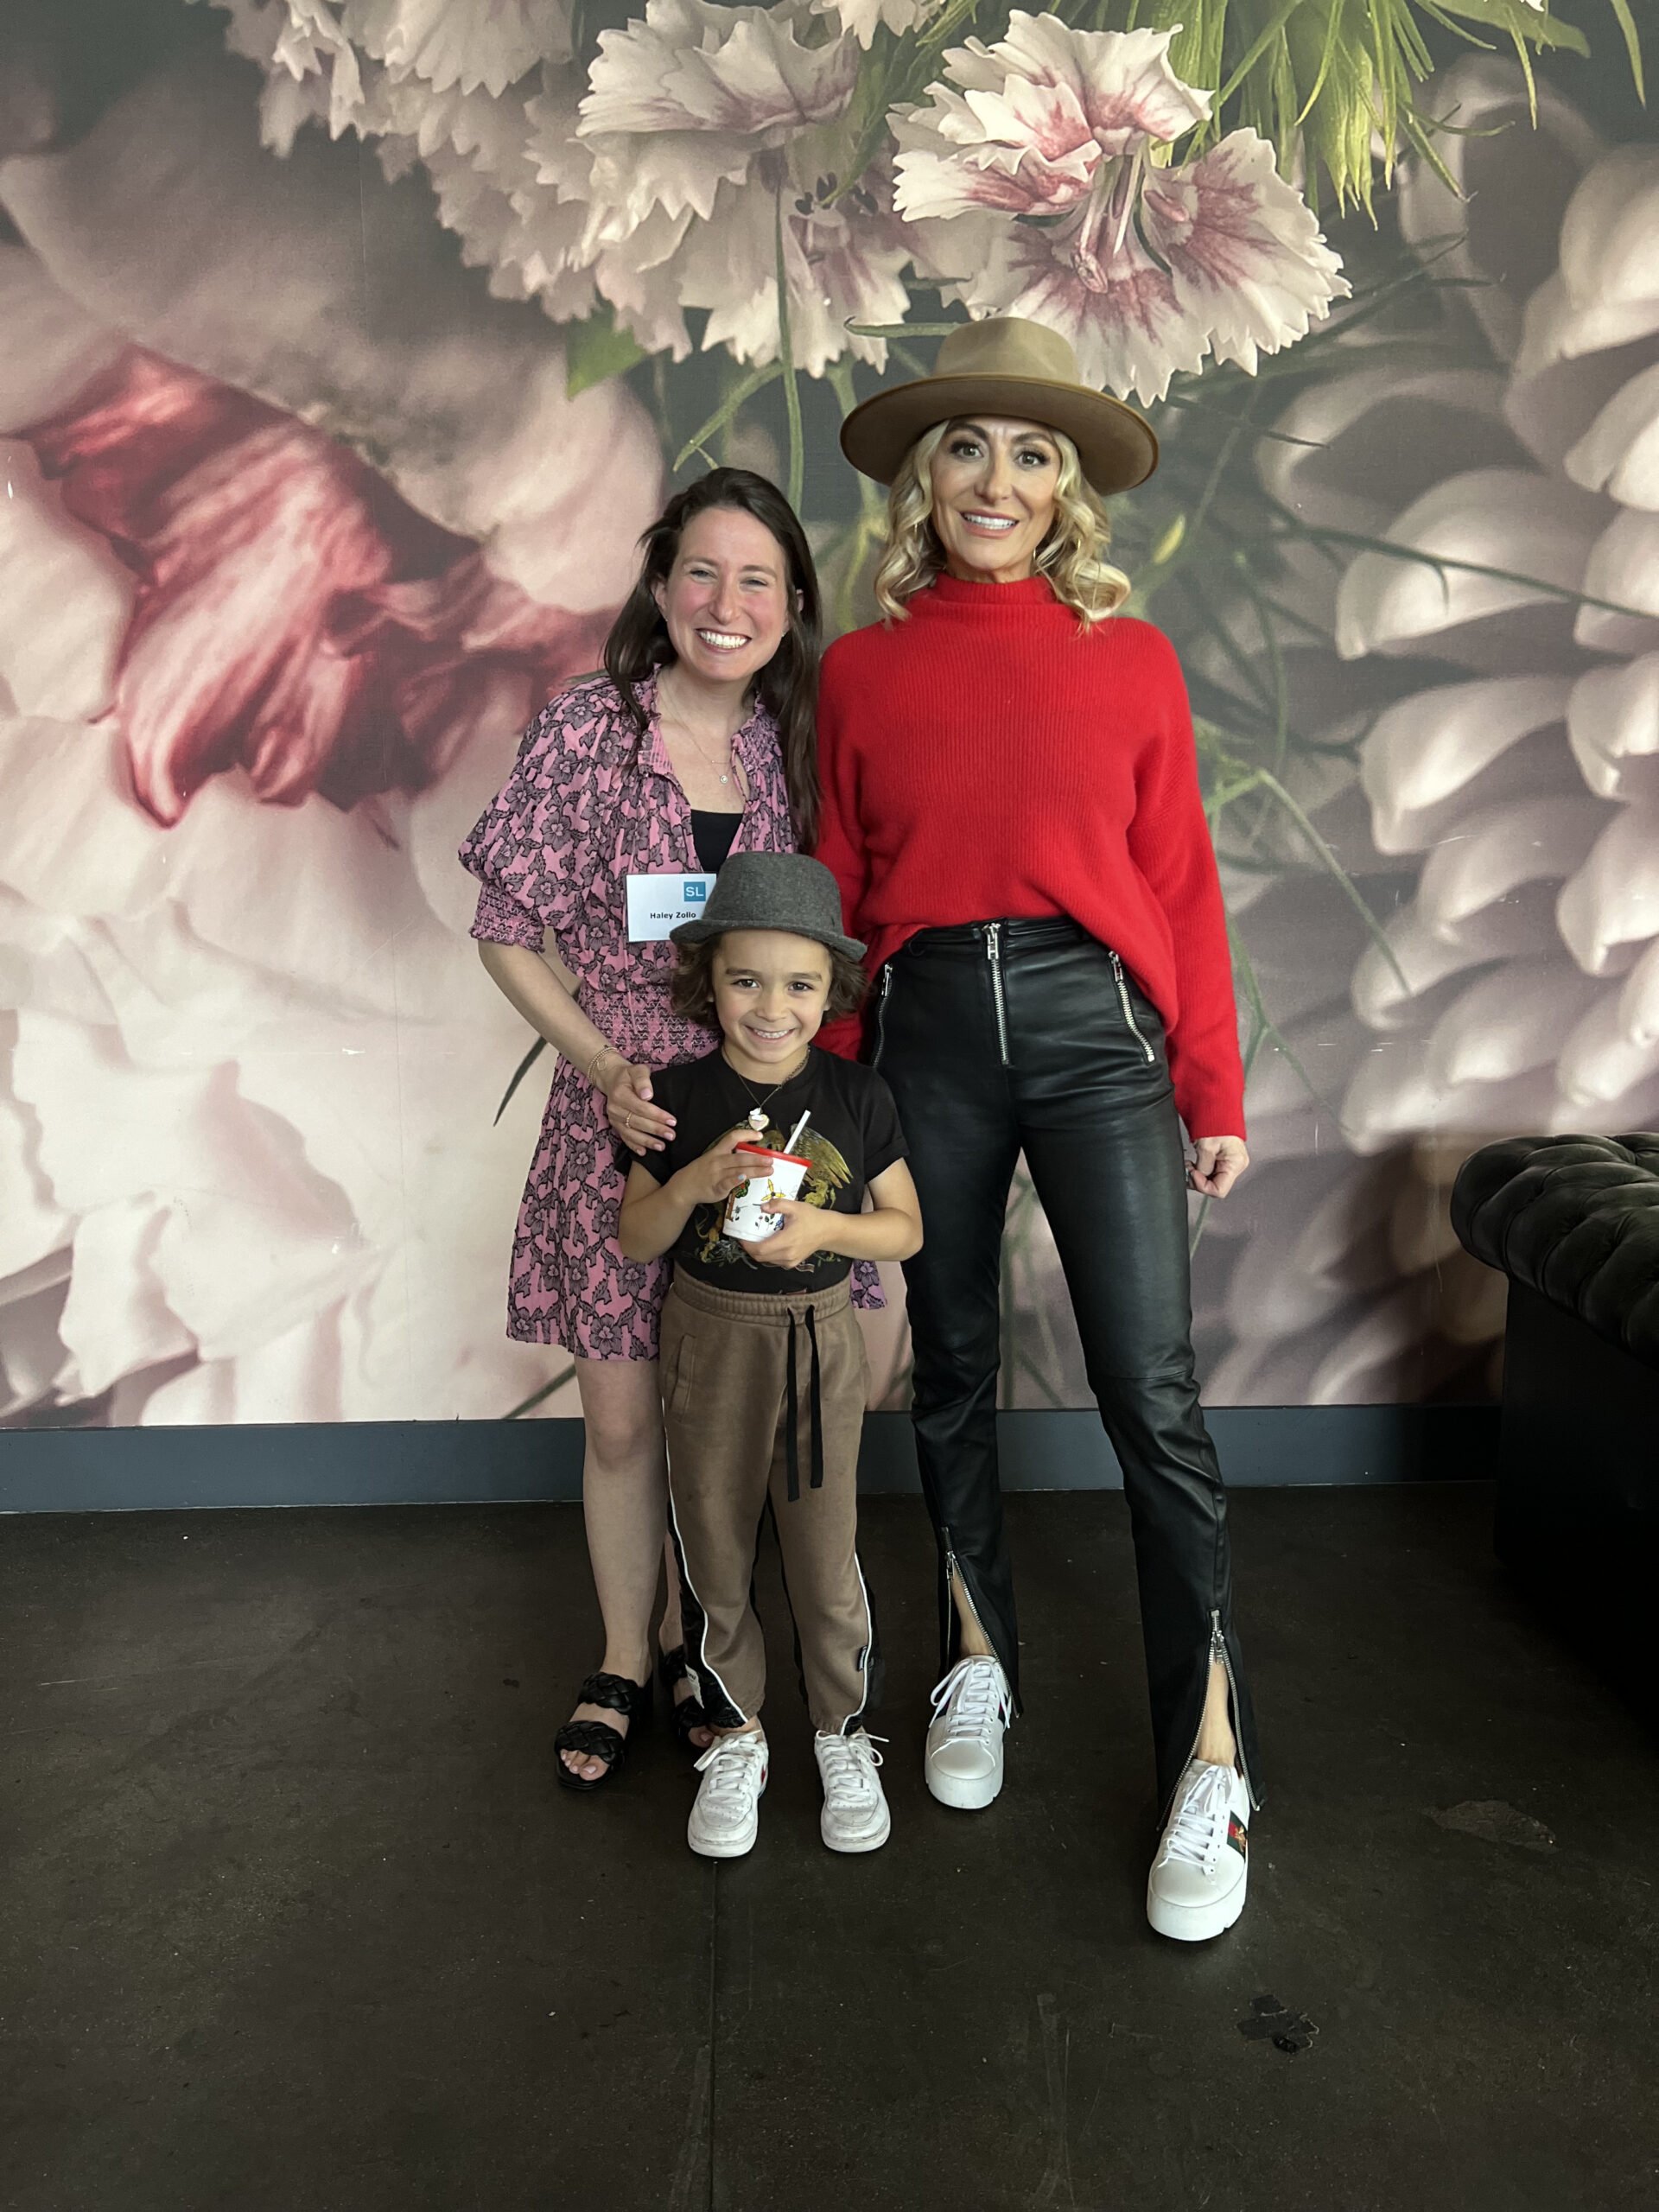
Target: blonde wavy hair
x=1072, y=556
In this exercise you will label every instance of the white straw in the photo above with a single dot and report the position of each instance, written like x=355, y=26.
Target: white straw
x=795, y=1133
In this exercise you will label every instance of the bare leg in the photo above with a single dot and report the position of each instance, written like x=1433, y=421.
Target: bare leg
x=1215, y=1745
x=972, y=1642
x=624, y=1506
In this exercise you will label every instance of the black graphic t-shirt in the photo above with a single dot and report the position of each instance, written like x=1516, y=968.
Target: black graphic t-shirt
x=853, y=1137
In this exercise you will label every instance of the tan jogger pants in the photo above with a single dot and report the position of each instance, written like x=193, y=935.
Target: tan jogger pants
x=735, y=1365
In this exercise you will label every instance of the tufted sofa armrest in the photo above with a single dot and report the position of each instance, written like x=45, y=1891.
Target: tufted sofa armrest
x=1577, y=1219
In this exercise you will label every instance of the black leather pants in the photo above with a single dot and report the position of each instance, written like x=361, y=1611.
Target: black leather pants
x=1003, y=1037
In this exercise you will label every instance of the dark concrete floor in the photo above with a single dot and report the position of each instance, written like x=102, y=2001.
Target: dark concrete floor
x=294, y=1917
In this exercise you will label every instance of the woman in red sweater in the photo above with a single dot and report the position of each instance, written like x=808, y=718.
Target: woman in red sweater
x=1011, y=806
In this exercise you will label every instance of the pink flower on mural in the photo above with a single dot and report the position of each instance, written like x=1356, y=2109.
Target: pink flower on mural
x=1047, y=145
x=276, y=1006
x=1027, y=126
x=226, y=509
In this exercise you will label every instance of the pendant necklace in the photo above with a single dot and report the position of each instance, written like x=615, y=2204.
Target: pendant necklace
x=681, y=723
x=758, y=1116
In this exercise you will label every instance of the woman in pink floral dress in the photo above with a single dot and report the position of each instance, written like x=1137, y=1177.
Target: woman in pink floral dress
x=696, y=741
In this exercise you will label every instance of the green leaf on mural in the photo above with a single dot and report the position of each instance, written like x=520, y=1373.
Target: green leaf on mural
x=596, y=349
x=518, y=1075
x=540, y=1397
x=1633, y=44
x=757, y=380
x=904, y=329
x=787, y=362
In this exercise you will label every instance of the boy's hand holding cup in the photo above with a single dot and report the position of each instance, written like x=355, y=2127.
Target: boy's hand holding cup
x=721, y=1170
x=792, y=1244
x=775, y=1177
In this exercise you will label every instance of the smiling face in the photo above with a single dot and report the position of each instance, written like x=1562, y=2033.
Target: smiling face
x=993, y=480
x=726, y=598
x=769, y=991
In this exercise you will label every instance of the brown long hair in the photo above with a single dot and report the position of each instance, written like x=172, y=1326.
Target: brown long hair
x=788, y=686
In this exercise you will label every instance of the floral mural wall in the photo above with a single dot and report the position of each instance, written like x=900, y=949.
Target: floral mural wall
x=346, y=346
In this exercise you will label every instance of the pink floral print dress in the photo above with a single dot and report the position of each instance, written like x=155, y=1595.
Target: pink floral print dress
x=585, y=808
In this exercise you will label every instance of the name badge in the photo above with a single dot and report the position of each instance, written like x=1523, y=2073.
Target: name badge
x=657, y=903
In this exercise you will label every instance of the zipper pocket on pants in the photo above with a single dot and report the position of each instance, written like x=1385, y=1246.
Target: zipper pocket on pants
x=994, y=954
x=1122, y=981
x=881, y=1013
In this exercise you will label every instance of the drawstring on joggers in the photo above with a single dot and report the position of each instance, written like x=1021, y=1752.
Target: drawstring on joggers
x=791, y=1414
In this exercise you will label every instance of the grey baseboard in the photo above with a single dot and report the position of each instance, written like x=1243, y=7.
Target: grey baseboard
x=407, y=1463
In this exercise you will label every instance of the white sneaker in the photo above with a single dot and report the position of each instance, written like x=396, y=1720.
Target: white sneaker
x=726, y=1818
x=1197, y=1885
x=855, y=1815
x=971, y=1707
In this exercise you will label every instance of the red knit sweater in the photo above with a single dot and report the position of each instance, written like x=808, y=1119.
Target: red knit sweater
x=986, y=758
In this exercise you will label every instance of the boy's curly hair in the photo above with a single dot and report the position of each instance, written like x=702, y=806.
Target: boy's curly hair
x=691, y=990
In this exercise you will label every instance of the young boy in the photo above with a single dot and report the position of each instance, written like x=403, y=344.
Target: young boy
x=763, y=1364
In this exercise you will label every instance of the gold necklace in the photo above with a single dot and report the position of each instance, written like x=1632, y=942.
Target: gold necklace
x=680, y=722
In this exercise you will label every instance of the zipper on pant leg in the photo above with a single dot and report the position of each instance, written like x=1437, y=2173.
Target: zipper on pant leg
x=954, y=1578
x=1218, y=1652
x=1119, y=978
x=994, y=954
x=947, y=1601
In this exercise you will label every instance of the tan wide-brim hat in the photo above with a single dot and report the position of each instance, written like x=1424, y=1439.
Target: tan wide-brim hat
x=1006, y=366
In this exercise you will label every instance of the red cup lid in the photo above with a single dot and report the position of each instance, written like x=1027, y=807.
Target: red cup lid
x=765, y=1152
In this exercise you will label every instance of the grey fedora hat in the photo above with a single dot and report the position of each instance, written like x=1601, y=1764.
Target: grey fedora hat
x=773, y=891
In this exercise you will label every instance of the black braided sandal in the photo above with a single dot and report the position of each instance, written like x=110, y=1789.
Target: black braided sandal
x=686, y=1714
x=595, y=1739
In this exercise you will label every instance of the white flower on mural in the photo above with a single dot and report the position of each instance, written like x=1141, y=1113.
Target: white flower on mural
x=447, y=46
x=694, y=95
x=1034, y=180
x=655, y=184
x=1539, y=782
x=710, y=130
x=472, y=45
x=863, y=18
x=1503, y=817
x=841, y=266
x=1051, y=146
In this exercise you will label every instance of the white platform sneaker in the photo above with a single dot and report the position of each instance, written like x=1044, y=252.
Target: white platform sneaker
x=726, y=1818
x=971, y=1707
x=1197, y=1886
x=855, y=1815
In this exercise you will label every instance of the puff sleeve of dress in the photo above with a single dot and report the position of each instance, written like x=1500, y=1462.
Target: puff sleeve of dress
x=522, y=846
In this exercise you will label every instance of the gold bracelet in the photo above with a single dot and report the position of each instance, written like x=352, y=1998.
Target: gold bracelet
x=599, y=1056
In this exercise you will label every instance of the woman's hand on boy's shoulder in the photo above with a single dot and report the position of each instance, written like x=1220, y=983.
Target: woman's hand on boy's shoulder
x=718, y=1172
x=642, y=1126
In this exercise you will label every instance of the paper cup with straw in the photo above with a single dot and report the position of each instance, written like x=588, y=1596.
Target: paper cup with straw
x=778, y=1176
